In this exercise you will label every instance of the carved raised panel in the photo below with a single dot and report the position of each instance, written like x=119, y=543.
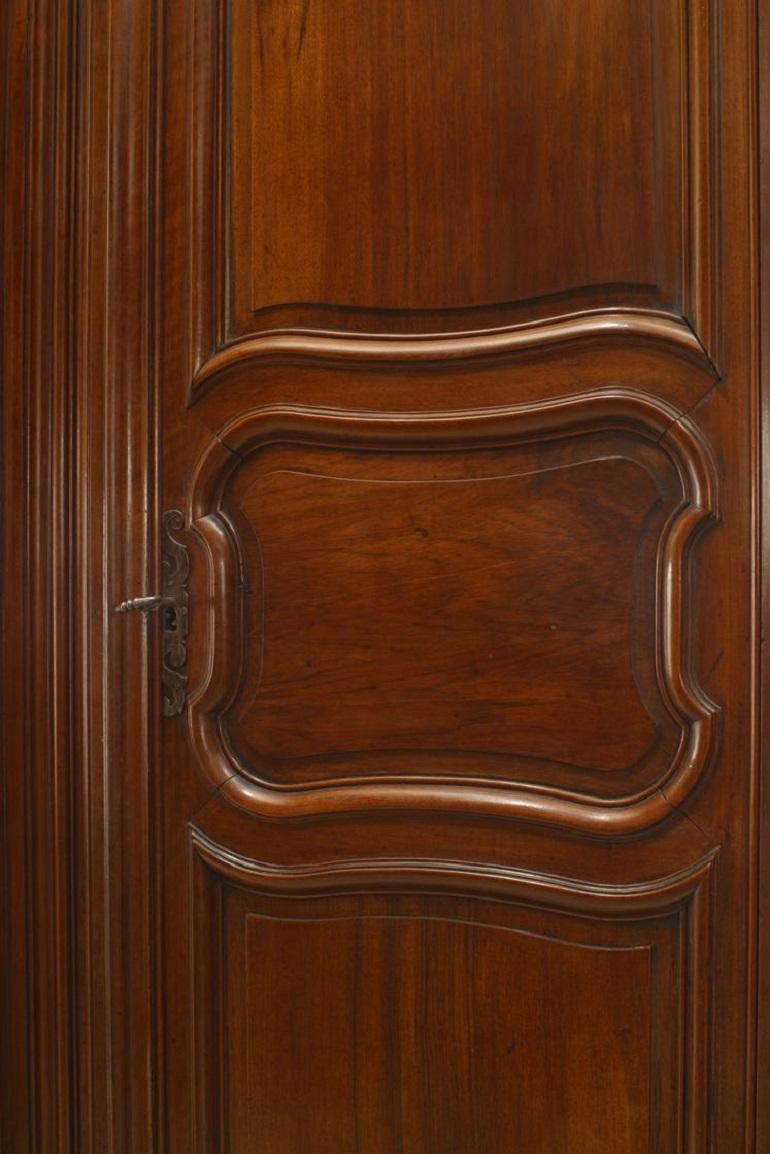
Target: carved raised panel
x=482, y=611
x=355, y=214
x=475, y=959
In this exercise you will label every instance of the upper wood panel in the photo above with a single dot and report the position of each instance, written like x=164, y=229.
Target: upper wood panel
x=440, y=155
x=401, y=166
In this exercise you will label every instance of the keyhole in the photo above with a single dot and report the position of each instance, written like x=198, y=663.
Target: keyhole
x=169, y=619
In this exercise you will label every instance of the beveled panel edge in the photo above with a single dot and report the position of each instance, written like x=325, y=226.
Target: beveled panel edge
x=624, y=409
x=651, y=326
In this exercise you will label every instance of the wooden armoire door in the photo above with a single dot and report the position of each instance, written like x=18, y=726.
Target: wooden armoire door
x=416, y=382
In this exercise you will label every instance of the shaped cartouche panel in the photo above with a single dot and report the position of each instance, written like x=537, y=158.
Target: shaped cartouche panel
x=483, y=610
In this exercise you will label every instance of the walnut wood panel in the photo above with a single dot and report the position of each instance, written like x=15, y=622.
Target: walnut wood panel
x=436, y=1029
x=367, y=206
x=478, y=609
x=361, y=584
x=426, y=1036
x=366, y=215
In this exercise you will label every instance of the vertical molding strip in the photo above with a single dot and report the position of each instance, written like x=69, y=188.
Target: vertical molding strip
x=762, y=1064
x=113, y=503
x=37, y=887
x=15, y=1115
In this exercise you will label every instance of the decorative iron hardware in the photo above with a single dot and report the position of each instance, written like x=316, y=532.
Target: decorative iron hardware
x=143, y=604
x=175, y=561
x=173, y=600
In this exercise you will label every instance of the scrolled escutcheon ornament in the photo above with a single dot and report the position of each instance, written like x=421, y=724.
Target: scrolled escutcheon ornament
x=175, y=562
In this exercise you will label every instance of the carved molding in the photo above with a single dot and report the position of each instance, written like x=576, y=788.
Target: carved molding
x=399, y=875
x=654, y=328
x=695, y=715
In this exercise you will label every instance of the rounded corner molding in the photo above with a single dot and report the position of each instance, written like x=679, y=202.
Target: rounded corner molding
x=617, y=409
x=652, y=326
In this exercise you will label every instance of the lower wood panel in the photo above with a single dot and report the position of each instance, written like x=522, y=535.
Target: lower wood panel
x=418, y=1033
x=420, y=1022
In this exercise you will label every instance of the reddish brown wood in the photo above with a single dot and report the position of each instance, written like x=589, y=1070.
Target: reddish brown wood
x=440, y=324
x=763, y=879
x=37, y=953
x=342, y=665
x=429, y=155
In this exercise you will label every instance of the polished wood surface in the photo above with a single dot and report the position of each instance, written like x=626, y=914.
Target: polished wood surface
x=423, y=1041
x=490, y=615
x=417, y=195
x=440, y=325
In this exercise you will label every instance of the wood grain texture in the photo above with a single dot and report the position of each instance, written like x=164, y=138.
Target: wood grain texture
x=369, y=605
x=111, y=466
x=412, y=223
x=37, y=1008
x=167, y=928
x=761, y=1101
x=411, y=1047
x=428, y=1036
x=379, y=206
